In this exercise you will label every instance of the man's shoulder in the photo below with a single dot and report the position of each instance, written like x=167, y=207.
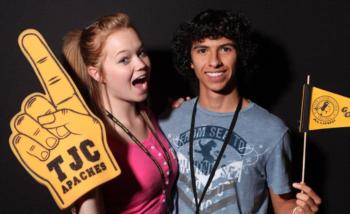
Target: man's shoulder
x=178, y=114
x=262, y=117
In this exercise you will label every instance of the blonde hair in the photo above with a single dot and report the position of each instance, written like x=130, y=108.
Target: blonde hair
x=83, y=48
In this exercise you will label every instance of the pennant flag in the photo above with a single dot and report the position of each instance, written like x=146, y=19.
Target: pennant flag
x=322, y=109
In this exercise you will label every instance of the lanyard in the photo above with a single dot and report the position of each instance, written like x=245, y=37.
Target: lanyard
x=216, y=164
x=143, y=148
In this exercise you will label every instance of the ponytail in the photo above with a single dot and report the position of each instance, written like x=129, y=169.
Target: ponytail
x=71, y=50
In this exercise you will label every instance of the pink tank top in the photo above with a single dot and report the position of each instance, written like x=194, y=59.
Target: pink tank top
x=139, y=187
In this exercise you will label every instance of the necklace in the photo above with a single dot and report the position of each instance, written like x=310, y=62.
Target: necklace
x=143, y=148
x=216, y=164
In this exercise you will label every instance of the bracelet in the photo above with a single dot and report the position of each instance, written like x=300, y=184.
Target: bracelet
x=294, y=211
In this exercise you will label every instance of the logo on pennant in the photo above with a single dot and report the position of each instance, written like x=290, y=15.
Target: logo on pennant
x=325, y=110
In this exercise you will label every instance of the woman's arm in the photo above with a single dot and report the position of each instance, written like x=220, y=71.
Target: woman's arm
x=91, y=203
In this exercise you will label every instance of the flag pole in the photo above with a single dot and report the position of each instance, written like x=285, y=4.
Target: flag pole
x=304, y=157
x=304, y=143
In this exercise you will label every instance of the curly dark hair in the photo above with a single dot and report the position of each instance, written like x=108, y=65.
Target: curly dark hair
x=212, y=24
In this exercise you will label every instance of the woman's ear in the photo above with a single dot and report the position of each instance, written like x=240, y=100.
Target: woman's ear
x=95, y=74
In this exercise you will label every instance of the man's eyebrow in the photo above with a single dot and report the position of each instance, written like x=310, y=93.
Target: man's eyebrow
x=199, y=46
x=228, y=44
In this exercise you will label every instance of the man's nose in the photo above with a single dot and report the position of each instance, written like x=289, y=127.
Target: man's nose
x=214, y=60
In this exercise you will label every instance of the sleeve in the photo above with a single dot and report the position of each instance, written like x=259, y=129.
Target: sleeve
x=278, y=166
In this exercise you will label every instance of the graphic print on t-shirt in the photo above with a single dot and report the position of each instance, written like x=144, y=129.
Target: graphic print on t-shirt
x=208, y=141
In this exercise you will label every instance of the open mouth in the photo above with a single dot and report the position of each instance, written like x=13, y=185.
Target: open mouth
x=139, y=80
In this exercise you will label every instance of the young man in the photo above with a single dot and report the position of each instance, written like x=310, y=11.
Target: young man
x=233, y=154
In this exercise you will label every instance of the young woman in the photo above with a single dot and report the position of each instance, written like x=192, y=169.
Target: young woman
x=109, y=58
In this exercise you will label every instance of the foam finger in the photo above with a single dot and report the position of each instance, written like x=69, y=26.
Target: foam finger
x=53, y=77
x=27, y=148
x=37, y=105
x=74, y=121
x=26, y=125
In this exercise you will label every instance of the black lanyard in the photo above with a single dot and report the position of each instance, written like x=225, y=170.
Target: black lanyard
x=212, y=173
x=139, y=144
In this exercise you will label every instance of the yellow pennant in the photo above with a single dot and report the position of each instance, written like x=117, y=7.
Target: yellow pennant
x=55, y=136
x=328, y=110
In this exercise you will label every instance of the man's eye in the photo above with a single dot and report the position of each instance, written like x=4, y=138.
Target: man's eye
x=226, y=49
x=201, y=50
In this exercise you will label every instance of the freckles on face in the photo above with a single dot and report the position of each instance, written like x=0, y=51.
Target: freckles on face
x=125, y=66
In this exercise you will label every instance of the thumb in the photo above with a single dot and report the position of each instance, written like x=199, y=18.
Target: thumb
x=74, y=121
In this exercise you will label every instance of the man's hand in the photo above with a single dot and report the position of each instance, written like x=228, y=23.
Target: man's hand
x=178, y=102
x=307, y=200
x=55, y=136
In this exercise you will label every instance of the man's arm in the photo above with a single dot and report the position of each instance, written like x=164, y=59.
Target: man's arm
x=307, y=201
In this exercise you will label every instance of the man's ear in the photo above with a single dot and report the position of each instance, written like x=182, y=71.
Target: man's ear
x=94, y=73
x=192, y=65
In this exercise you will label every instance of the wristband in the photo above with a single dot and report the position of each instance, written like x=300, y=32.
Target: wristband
x=294, y=211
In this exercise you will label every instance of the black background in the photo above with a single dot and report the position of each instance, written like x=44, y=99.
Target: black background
x=296, y=38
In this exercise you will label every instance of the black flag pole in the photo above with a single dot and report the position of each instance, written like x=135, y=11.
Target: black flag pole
x=304, y=120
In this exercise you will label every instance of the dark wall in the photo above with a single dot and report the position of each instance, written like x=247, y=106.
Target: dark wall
x=296, y=38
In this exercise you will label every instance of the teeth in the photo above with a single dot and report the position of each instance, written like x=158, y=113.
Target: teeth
x=140, y=79
x=214, y=74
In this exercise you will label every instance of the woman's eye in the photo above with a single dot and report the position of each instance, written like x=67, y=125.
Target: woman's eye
x=124, y=61
x=142, y=53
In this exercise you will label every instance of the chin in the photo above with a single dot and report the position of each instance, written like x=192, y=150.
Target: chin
x=141, y=98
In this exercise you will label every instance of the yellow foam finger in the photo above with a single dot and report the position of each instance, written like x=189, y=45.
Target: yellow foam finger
x=26, y=125
x=82, y=160
x=37, y=105
x=53, y=77
x=28, y=149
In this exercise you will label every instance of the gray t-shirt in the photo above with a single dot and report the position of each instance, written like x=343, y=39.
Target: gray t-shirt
x=257, y=158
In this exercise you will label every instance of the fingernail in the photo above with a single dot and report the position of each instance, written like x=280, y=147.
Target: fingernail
x=62, y=131
x=44, y=155
x=46, y=119
x=51, y=142
x=17, y=139
x=19, y=120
